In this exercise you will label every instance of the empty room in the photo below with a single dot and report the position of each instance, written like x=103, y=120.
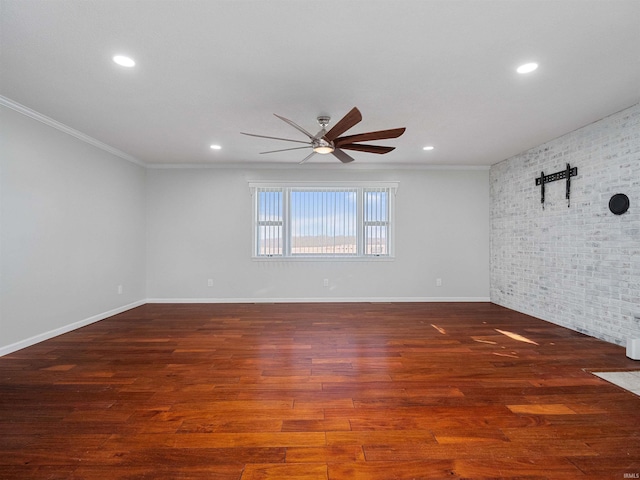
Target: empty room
x=319, y=240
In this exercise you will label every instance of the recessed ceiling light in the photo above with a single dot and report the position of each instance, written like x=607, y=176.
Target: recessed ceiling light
x=124, y=61
x=216, y=147
x=428, y=147
x=527, y=67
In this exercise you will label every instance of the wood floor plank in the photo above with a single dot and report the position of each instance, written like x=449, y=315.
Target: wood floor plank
x=290, y=471
x=530, y=468
x=215, y=472
x=545, y=409
x=316, y=425
x=253, y=439
x=52, y=472
x=328, y=454
x=397, y=470
x=317, y=391
x=380, y=437
x=161, y=456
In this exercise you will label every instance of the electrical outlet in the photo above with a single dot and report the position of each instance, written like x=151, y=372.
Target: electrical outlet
x=210, y=282
x=326, y=282
x=438, y=282
x=120, y=290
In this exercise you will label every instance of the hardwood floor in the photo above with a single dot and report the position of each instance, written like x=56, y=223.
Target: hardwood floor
x=317, y=391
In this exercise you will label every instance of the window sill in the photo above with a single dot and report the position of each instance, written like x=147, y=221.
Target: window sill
x=385, y=258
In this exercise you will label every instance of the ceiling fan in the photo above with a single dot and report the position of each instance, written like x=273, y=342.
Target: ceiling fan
x=325, y=142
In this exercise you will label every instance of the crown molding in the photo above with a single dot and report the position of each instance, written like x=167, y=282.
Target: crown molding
x=26, y=111
x=316, y=166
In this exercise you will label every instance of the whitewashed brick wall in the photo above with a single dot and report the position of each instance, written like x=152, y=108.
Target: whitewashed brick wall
x=578, y=267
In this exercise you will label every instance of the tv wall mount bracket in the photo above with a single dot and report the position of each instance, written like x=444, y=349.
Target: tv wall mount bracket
x=565, y=174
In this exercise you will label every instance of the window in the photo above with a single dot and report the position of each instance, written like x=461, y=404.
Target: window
x=323, y=220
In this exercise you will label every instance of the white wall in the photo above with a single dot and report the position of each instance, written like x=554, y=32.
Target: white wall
x=199, y=227
x=72, y=228
x=578, y=267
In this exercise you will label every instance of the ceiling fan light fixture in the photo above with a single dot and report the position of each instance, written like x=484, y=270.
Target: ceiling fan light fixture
x=322, y=147
x=323, y=150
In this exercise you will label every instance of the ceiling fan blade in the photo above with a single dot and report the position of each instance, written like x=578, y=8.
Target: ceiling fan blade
x=367, y=148
x=285, y=150
x=296, y=126
x=342, y=156
x=365, y=137
x=307, y=158
x=349, y=120
x=275, y=138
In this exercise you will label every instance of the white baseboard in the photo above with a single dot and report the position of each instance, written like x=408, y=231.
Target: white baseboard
x=320, y=300
x=7, y=349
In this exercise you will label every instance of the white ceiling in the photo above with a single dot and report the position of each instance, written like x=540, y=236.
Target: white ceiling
x=207, y=70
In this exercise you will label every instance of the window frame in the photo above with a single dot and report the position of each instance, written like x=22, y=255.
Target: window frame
x=359, y=187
